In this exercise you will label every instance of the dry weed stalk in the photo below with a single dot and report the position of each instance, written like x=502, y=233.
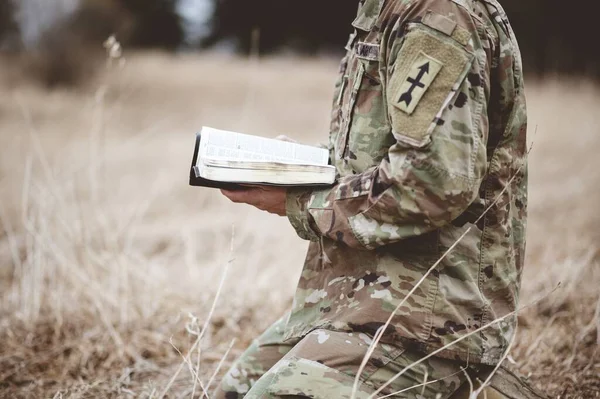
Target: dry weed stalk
x=67, y=248
x=196, y=345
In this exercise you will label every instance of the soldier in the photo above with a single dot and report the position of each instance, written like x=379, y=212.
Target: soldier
x=428, y=136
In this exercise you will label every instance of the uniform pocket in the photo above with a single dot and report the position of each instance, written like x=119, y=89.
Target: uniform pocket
x=347, y=99
x=369, y=134
x=339, y=88
x=363, y=134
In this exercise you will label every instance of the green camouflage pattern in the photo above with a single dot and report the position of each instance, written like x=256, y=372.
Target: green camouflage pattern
x=410, y=185
x=324, y=364
x=257, y=360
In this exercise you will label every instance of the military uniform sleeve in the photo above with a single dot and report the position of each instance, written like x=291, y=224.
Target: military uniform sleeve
x=436, y=102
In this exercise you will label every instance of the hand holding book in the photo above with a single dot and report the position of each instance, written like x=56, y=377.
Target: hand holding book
x=266, y=198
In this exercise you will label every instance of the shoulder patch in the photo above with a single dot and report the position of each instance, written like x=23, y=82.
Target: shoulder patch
x=422, y=73
x=427, y=73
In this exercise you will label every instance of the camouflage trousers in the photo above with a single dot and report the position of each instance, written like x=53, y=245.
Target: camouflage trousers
x=324, y=364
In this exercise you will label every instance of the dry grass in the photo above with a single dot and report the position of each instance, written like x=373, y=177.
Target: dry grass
x=109, y=263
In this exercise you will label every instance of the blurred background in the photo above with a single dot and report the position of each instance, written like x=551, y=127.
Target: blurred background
x=110, y=264
x=553, y=38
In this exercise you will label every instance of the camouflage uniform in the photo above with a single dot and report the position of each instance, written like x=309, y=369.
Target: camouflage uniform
x=428, y=131
x=324, y=363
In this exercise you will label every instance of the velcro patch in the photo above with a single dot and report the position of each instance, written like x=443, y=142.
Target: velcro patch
x=439, y=22
x=367, y=51
x=428, y=69
x=423, y=72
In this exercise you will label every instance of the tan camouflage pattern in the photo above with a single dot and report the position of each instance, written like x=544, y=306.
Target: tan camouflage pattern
x=323, y=365
x=257, y=360
x=409, y=185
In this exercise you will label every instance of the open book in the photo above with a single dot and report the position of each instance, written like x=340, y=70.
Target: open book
x=224, y=159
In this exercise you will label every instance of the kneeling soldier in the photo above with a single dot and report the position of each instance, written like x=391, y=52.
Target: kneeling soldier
x=428, y=135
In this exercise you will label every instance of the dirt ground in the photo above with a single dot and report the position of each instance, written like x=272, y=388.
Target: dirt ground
x=110, y=264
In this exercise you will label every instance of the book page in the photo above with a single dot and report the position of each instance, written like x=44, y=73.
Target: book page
x=221, y=145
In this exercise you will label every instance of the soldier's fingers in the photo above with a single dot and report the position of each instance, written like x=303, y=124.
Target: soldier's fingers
x=233, y=195
x=240, y=196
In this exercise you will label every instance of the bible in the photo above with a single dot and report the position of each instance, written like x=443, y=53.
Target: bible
x=227, y=160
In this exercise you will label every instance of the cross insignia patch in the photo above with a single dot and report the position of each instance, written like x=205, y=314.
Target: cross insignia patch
x=421, y=75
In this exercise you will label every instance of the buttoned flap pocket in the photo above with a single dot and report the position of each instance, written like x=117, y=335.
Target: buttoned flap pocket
x=340, y=86
x=307, y=378
x=346, y=100
x=424, y=79
x=367, y=131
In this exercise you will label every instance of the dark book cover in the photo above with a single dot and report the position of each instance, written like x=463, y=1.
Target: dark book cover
x=198, y=181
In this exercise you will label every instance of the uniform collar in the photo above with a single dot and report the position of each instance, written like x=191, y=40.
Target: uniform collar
x=368, y=12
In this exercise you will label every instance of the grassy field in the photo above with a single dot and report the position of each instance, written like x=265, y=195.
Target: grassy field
x=110, y=264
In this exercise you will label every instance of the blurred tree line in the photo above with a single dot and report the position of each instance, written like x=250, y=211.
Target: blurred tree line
x=307, y=26
x=8, y=25
x=553, y=37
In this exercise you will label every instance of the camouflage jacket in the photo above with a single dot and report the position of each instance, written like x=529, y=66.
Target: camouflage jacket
x=428, y=131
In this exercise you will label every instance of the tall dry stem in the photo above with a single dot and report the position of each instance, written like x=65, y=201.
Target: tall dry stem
x=186, y=359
